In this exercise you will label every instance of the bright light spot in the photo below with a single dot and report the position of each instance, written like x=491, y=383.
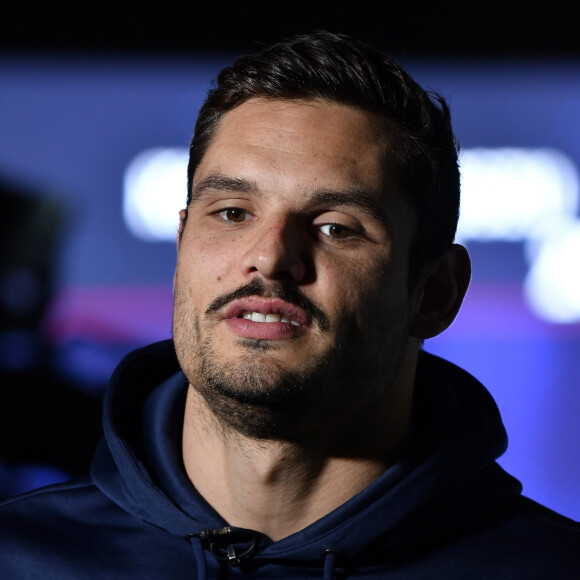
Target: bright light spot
x=552, y=286
x=155, y=190
x=532, y=196
x=513, y=194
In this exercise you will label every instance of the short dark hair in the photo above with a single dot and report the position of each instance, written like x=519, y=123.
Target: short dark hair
x=337, y=68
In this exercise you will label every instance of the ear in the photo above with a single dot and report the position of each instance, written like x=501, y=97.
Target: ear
x=440, y=292
x=182, y=220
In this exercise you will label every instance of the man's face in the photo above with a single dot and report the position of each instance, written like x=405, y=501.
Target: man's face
x=291, y=299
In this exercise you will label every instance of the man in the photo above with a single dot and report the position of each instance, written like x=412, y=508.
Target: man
x=294, y=427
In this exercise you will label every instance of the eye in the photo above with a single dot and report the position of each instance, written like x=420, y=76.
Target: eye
x=336, y=231
x=234, y=214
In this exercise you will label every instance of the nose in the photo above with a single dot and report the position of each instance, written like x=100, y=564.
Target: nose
x=277, y=250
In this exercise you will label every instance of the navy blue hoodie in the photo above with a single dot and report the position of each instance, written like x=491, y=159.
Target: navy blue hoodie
x=446, y=511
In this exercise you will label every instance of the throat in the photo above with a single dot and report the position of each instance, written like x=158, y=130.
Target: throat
x=274, y=487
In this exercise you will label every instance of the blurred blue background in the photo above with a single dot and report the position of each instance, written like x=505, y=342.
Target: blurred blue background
x=71, y=125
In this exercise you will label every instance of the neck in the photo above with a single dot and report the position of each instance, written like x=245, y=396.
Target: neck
x=280, y=487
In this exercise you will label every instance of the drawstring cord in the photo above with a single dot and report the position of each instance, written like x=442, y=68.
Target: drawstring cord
x=221, y=544
x=329, y=557
x=195, y=541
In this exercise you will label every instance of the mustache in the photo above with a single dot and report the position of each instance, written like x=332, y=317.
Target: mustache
x=280, y=290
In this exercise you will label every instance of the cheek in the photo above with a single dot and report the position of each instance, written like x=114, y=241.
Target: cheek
x=374, y=291
x=208, y=259
x=359, y=274
x=348, y=287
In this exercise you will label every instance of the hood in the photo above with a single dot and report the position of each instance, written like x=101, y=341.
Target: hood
x=447, y=483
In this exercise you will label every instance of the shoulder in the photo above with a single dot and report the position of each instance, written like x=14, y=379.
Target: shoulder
x=43, y=532
x=56, y=511
x=57, y=498
x=525, y=539
x=541, y=526
x=73, y=530
x=515, y=538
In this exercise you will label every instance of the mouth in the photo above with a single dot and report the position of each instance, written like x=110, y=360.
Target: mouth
x=269, y=317
x=272, y=313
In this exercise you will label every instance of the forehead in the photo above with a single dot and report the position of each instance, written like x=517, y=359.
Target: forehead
x=329, y=122
x=313, y=141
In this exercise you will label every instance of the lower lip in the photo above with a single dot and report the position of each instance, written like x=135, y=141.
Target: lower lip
x=264, y=330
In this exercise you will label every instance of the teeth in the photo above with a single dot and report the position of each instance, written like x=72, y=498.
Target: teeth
x=270, y=317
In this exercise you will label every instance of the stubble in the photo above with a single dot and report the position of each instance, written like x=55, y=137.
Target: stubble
x=254, y=395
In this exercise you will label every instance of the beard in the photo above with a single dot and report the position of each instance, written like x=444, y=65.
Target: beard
x=260, y=398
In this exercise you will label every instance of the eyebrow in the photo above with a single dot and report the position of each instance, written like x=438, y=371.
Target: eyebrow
x=355, y=197
x=358, y=198
x=219, y=182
